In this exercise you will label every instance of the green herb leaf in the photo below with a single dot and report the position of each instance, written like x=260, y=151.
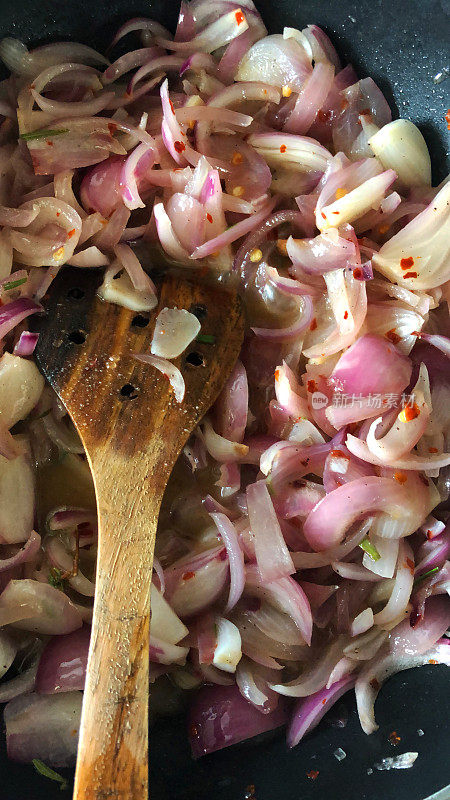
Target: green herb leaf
x=426, y=575
x=43, y=134
x=206, y=338
x=47, y=772
x=55, y=579
x=370, y=549
x=14, y=284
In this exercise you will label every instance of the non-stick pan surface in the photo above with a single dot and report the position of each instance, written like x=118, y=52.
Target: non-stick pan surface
x=402, y=44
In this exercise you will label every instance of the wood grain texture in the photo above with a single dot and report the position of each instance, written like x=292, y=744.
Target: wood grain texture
x=132, y=444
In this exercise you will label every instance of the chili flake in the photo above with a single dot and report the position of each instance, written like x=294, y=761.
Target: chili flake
x=209, y=217
x=171, y=106
x=112, y=127
x=313, y=324
x=312, y=386
x=410, y=275
x=237, y=158
x=409, y=413
x=358, y=273
x=375, y=684
x=394, y=738
x=341, y=193
x=188, y=575
x=312, y=774
x=384, y=228
x=239, y=17
x=179, y=147
x=407, y=263
x=71, y=233
x=447, y=119
x=282, y=148
x=324, y=216
x=277, y=374
x=432, y=661
x=400, y=477
x=393, y=336
x=345, y=314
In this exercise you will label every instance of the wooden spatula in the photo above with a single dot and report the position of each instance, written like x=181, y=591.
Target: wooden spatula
x=133, y=430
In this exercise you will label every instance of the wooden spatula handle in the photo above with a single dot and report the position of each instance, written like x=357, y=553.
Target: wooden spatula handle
x=112, y=757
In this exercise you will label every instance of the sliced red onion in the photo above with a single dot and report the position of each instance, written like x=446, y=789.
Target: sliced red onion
x=372, y=677
x=321, y=46
x=354, y=572
x=165, y=624
x=356, y=202
x=132, y=265
x=89, y=257
x=35, y=606
x=188, y=219
x=275, y=60
x=420, y=246
x=206, y=637
x=26, y=345
x=272, y=555
x=43, y=727
x=362, y=623
x=129, y=61
x=232, y=405
x=408, y=462
x=309, y=711
x=342, y=467
x=141, y=159
x=62, y=666
x=213, y=36
x=220, y=717
x=163, y=63
x=433, y=553
x=221, y=449
x=321, y=254
x=26, y=554
x=162, y=652
x=17, y=217
x=298, y=502
x=100, y=188
x=289, y=286
x=432, y=527
x=442, y=343
x=235, y=558
x=167, y=237
x=407, y=640
x=194, y=583
x=149, y=26
x=286, y=150
x=328, y=522
x=316, y=677
x=242, y=259
x=286, y=594
x=169, y=370
x=252, y=680
x=291, y=331
x=233, y=233
x=174, y=330
x=311, y=98
x=16, y=311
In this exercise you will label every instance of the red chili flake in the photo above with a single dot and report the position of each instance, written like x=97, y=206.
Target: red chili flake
x=324, y=701
x=324, y=116
x=239, y=17
x=433, y=450
x=50, y=144
x=188, y=575
x=400, y=477
x=179, y=147
x=312, y=386
x=171, y=107
x=277, y=374
x=375, y=685
x=429, y=534
x=112, y=127
x=339, y=454
x=71, y=233
x=358, y=273
x=447, y=119
x=58, y=213
x=324, y=216
x=312, y=774
x=283, y=148
x=410, y=565
x=394, y=738
x=209, y=217
x=432, y=661
x=410, y=275
x=411, y=412
x=407, y=263
x=393, y=336
x=313, y=324
x=335, y=212
x=345, y=312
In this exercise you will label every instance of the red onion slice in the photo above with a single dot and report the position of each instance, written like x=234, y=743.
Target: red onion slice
x=44, y=727
x=35, y=606
x=62, y=666
x=220, y=717
x=235, y=558
x=26, y=554
x=309, y=711
x=272, y=555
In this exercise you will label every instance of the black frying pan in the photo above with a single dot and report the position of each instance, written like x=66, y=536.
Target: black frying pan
x=402, y=44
